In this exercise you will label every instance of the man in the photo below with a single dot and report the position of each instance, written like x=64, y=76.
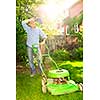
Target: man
x=33, y=36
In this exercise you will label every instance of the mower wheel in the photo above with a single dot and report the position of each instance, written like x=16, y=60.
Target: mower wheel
x=80, y=86
x=44, y=86
x=44, y=90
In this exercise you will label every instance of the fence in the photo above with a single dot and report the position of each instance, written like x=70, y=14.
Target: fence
x=56, y=42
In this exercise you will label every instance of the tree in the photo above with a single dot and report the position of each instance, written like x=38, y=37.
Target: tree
x=24, y=10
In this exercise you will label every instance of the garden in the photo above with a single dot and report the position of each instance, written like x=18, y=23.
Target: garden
x=69, y=56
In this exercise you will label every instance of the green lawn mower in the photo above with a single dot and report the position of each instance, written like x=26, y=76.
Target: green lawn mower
x=58, y=81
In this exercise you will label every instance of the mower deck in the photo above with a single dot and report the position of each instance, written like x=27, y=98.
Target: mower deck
x=58, y=89
x=58, y=82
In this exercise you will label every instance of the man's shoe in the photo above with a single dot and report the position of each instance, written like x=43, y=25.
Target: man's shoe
x=33, y=73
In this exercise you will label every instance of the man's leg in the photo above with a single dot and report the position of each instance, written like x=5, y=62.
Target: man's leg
x=30, y=58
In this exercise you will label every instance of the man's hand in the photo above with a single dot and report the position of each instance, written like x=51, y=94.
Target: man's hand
x=28, y=20
x=43, y=42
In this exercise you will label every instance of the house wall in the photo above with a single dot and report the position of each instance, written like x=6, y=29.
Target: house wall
x=76, y=9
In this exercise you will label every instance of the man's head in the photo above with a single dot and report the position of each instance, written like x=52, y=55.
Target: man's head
x=32, y=23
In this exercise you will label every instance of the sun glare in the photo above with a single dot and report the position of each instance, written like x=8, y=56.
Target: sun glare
x=52, y=11
x=55, y=9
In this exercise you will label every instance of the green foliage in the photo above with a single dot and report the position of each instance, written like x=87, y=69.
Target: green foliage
x=61, y=55
x=27, y=8
x=75, y=69
x=72, y=22
x=77, y=54
x=48, y=29
x=21, y=54
x=80, y=38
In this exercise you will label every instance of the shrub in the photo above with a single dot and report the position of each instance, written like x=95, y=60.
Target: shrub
x=21, y=51
x=77, y=54
x=60, y=55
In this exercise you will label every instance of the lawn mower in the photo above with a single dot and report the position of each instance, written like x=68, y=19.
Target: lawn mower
x=57, y=81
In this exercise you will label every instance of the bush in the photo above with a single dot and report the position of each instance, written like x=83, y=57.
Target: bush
x=60, y=55
x=21, y=51
x=77, y=54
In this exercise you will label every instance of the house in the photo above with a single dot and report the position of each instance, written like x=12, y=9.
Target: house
x=73, y=11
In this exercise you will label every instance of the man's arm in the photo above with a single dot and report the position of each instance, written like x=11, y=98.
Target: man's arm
x=24, y=24
x=42, y=35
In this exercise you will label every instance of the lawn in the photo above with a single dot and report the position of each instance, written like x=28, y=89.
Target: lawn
x=28, y=88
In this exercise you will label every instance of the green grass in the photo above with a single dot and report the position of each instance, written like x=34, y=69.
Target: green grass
x=28, y=88
x=74, y=64
x=75, y=69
